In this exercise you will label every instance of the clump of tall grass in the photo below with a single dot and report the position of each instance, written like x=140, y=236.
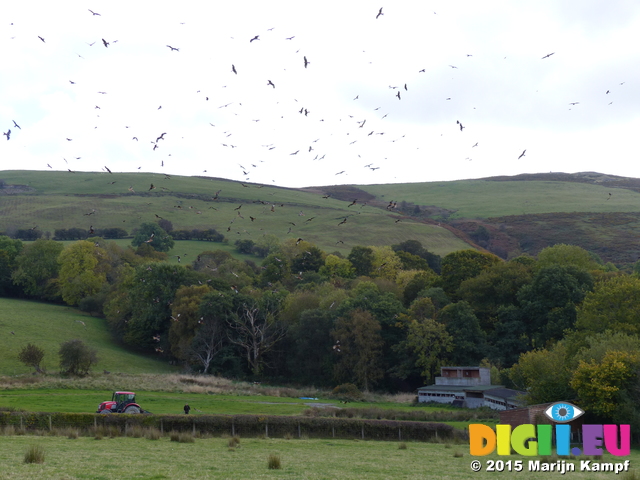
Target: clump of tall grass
x=181, y=437
x=234, y=442
x=402, y=446
x=457, y=454
x=274, y=462
x=152, y=434
x=34, y=454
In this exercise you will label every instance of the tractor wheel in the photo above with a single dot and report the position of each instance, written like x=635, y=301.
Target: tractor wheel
x=132, y=409
x=105, y=411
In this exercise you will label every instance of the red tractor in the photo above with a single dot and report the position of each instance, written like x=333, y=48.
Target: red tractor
x=121, y=402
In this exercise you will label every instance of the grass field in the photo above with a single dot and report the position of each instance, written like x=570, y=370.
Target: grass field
x=63, y=200
x=49, y=325
x=484, y=198
x=212, y=458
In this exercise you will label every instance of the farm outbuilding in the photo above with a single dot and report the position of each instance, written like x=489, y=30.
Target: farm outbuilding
x=469, y=387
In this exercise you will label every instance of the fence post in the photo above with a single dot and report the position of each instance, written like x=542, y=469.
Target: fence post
x=233, y=427
x=95, y=422
x=363, y=430
x=333, y=431
x=266, y=429
x=126, y=428
x=299, y=433
x=49, y=422
x=161, y=428
x=399, y=434
x=194, y=428
x=21, y=427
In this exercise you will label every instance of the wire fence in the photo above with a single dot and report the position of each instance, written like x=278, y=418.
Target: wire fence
x=274, y=426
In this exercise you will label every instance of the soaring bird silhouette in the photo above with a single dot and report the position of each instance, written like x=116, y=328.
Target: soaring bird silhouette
x=547, y=55
x=379, y=13
x=105, y=43
x=257, y=37
x=233, y=69
x=7, y=133
x=15, y=124
x=94, y=13
x=173, y=49
x=522, y=154
x=269, y=82
x=306, y=62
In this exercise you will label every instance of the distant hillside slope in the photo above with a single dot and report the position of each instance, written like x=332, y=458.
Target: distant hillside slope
x=53, y=200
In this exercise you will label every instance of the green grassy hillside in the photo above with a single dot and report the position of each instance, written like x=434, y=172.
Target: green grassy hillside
x=47, y=326
x=488, y=198
x=50, y=200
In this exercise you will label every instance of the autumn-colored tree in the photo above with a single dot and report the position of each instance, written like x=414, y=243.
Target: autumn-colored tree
x=335, y=266
x=83, y=267
x=186, y=319
x=544, y=375
x=357, y=336
x=600, y=385
x=568, y=255
x=613, y=304
x=430, y=342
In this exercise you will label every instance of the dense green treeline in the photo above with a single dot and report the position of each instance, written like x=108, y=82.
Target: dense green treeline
x=562, y=326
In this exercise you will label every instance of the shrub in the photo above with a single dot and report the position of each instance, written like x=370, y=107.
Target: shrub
x=34, y=454
x=31, y=355
x=274, y=462
x=347, y=392
x=76, y=358
x=186, y=438
x=152, y=434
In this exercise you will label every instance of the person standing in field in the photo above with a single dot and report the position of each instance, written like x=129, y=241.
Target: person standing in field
x=186, y=408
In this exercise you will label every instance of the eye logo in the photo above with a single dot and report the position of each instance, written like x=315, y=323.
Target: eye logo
x=563, y=412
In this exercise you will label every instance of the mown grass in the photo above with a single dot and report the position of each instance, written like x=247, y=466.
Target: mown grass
x=213, y=459
x=47, y=326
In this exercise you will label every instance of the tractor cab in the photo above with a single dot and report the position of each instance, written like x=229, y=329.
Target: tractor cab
x=121, y=402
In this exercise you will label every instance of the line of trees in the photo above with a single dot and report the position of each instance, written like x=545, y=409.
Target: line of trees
x=381, y=317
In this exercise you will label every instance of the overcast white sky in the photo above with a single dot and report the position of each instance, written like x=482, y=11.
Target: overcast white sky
x=505, y=95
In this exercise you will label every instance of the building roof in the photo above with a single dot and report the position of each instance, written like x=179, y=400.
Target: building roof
x=502, y=392
x=493, y=390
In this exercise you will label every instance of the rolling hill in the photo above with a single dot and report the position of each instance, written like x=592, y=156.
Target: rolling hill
x=506, y=215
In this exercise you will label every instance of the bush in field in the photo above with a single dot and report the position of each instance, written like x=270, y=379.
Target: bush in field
x=31, y=356
x=347, y=392
x=76, y=358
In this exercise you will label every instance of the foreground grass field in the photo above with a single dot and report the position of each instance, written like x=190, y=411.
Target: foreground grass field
x=49, y=325
x=212, y=458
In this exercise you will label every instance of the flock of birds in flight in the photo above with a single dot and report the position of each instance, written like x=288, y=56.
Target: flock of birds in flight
x=270, y=83
x=304, y=111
